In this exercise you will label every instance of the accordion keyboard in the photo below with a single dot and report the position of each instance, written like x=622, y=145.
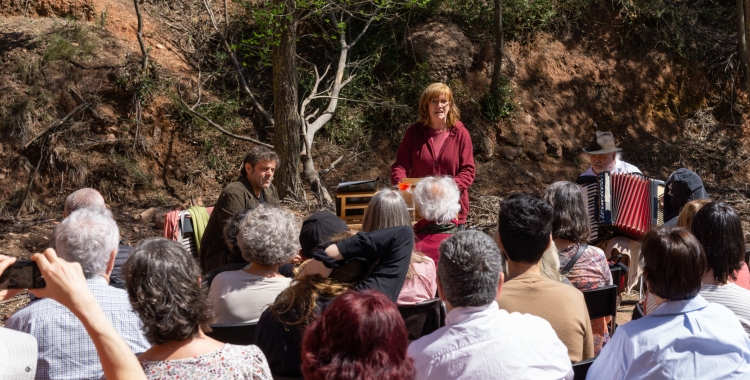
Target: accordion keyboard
x=590, y=191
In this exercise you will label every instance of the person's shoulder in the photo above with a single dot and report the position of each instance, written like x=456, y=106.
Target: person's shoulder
x=243, y=352
x=39, y=308
x=629, y=168
x=234, y=187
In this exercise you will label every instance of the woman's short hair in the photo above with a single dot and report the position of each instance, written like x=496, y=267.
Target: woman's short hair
x=438, y=199
x=268, y=236
x=361, y=335
x=570, y=220
x=163, y=284
x=386, y=209
x=719, y=229
x=673, y=263
x=687, y=214
x=434, y=91
x=232, y=228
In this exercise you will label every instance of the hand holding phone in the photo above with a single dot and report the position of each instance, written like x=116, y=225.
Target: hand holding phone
x=22, y=275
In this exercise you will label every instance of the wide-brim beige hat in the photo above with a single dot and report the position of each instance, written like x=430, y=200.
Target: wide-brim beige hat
x=602, y=143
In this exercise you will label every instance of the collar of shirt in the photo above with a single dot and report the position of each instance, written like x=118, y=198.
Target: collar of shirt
x=680, y=306
x=467, y=313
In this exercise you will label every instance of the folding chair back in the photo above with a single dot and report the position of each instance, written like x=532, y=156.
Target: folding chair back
x=241, y=334
x=423, y=318
x=581, y=368
x=602, y=302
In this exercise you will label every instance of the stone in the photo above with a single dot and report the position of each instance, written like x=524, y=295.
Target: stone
x=159, y=46
x=510, y=153
x=443, y=46
x=536, y=150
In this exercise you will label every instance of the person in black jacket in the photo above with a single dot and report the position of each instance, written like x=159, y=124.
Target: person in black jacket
x=682, y=187
x=281, y=327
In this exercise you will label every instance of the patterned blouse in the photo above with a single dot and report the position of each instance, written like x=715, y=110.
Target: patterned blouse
x=228, y=362
x=590, y=272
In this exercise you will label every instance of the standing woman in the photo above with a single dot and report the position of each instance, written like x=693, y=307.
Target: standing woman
x=437, y=144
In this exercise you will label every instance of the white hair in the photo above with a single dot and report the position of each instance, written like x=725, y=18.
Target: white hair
x=438, y=199
x=88, y=236
x=83, y=198
x=268, y=236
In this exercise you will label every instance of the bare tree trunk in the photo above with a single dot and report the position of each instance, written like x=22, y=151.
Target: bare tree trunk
x=287, y=120
x=499, y=46
x=742, y=41
x=139, y=33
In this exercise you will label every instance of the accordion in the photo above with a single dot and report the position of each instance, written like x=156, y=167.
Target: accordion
x=620, y=204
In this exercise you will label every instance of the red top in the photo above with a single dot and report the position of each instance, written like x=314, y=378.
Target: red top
x=428, y=243
x=416, y=159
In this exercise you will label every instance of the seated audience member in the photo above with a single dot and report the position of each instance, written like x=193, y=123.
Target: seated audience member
x=481, y=341
x=164, y=287
x=65, y=283
x=335, y=268
x=385, y=210
x=682, y=186
x=267, y=238
x=718, y=228
x=686, y=337
x=570, y=231
x=360, y=336
x=86, y=198
x=437, y=199
x=89, y=237
x=525, y=228
x=252, y=188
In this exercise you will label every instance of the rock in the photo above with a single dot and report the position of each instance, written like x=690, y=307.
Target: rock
x=536, y=150
x=510, y=136
x=444, y=47
x=510, y=153
x=159, y=46
x=145, y=217
x=111, y=137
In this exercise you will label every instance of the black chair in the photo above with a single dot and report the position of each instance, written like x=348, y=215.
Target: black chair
x=602, y=302
x=241, y=334
x=637, y=312
x=581, y=368
x=423, y=318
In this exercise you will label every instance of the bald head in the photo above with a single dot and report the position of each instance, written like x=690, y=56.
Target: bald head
x=83, y=198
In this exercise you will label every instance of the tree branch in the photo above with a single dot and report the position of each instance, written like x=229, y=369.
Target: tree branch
x=330, y=167
x=236, y=64
x=139, y=34
x=222, y=130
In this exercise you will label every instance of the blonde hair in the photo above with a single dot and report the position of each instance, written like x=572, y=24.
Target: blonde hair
x=687, y=214
x=550, y=264
x=434, y=91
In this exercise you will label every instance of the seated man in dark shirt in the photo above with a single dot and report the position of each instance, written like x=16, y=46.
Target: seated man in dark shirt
x=252, y=188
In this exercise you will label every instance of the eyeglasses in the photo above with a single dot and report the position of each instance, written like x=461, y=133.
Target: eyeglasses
x=442, y=102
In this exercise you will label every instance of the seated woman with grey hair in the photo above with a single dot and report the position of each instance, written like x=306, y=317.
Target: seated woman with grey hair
x=164, y=288
x=267, y=239
x=437, y=200
x=584, y=265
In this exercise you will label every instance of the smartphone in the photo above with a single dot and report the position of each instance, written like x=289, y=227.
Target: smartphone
x=22, y=275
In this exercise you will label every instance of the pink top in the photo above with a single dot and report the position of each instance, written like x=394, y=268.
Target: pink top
x=743, y=277
x=422, y=286
x=436, y=139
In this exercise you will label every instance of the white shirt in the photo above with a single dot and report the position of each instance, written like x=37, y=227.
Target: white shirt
x=239, y=297
x=485, y=342
x=734, y=297
x=620, y=167
x=688, y=339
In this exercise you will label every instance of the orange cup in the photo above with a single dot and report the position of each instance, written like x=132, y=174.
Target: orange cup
x=403, y=186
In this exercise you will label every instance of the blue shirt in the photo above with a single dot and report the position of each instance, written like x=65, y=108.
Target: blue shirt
x=688, y=339
x=65, y=349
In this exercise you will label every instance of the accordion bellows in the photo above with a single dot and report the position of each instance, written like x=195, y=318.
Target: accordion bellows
x=620, y=204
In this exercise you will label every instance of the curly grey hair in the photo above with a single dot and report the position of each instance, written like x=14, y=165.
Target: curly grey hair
x=87, y=236
x=438, y=199
x=268, y=236
x=469, y=270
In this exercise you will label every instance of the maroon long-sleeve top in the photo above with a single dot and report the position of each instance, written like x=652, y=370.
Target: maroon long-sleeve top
x=416, y=159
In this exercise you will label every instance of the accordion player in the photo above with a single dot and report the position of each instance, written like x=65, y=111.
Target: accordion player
x=621, y=204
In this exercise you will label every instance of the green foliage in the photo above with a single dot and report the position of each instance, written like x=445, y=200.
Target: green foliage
x=498, y=102
x=692, y=29
x=69, y=42
x=520, y=17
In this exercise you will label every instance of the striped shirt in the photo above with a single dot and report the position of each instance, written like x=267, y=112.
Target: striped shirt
x=733, y=297
x=65, y=349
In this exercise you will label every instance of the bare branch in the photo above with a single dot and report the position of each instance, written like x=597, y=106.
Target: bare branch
x=237, y=66
x=330, y=167
x=379, y=104
x=222, y=130
x=139, y=34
